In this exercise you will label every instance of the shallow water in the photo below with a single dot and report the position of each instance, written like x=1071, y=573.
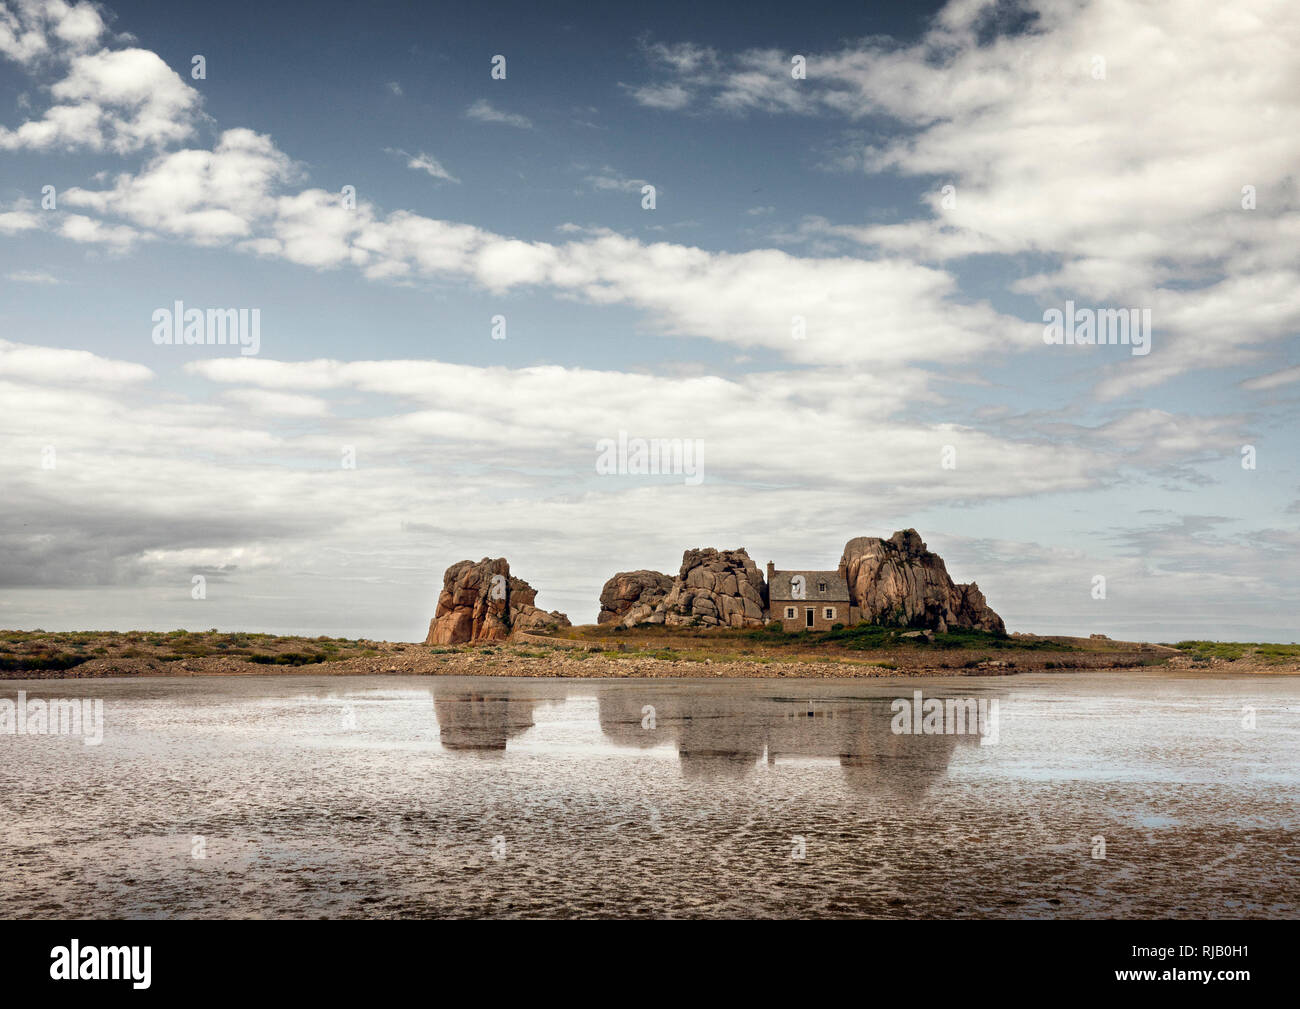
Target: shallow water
x=455, y=796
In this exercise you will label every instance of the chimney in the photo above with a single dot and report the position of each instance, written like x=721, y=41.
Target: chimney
x=771, y=570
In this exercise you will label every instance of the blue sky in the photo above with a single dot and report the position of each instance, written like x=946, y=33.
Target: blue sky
x=1096, y=152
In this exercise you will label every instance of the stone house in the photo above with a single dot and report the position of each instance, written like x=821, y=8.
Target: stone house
x=809, y=600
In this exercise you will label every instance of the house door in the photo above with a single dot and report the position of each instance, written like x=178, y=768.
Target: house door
x=808, y=613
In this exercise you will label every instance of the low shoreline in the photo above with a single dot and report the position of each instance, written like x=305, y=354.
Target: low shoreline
x=596, y=653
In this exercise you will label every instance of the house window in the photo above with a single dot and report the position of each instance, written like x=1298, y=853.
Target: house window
x=830, y=612
x=821, y=586
x=789, y=612
x=810, y=616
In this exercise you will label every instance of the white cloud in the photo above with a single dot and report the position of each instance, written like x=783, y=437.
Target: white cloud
x=426, y=163
x=119, y=100
x=79, y=228
x=35, y=29
x=884, y=311
x=662, y=96
x=14, y=221
x=608, y=179
x=1274, y=380
x=82, y=229
x=205, y=196
x=515, y=450
x=1070, y=142
x=56, y=366
x=484, y=111
x=31, y=277
x=262, y=401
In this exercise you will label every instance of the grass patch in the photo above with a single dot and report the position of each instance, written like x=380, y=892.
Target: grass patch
x=1231, y=651
x=38, y=663
x=875, y=637
x=289, y=658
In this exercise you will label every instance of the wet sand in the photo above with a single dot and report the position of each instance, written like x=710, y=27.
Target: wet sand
x=464, y=797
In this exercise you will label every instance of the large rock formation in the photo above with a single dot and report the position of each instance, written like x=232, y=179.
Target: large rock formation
x=715, y=588
x=899, y=582
x=630, y=597
x=482, y=602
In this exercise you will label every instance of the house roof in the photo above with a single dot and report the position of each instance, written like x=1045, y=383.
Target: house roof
x=837, y=589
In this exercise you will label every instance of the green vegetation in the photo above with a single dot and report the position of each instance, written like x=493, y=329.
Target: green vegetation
x=874, y=637
x=291, y=659
x=37, y=663
x=36, y=651
x=1231, y=651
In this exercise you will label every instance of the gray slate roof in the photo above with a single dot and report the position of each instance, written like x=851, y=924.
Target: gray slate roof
x=837, y=589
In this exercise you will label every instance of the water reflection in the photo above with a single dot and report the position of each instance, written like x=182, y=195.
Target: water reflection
x=480, y=722
x=333, y=797
x=722, y=734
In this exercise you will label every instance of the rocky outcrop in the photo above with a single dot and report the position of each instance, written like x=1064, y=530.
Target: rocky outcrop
x=630, y=597
x=530, y=618
x=899, y=582
x=524, y=614
x=715, y=588
x=482, y=602
x=973, y=610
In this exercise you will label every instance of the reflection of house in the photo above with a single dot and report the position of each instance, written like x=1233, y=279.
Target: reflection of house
x=816, y=600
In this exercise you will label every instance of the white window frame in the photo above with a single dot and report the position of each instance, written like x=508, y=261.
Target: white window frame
x=789, y=613
x=829, y=612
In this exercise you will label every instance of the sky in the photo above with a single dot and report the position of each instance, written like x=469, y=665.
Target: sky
x=820, y=247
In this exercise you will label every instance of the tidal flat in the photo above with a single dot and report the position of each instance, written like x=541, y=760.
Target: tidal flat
x=1136, y=793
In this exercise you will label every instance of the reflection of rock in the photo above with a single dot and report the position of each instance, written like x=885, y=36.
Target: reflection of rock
x=708, y=738
x=712, y=745
x=721, y=736
x=876, y=759
x=483, y=602
x=468, y=720
x=898, y=581
x=630, y=597
x=715, y=588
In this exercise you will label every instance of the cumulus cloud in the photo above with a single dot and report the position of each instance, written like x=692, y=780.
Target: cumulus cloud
x=14, y=221
x=56, y=366
x=87, y=230
x=206, y=196
x=512, y=454
x=1087, y=187
x=109, y=98
x=31, y=30
x=886, y=311
x=1067, y=139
